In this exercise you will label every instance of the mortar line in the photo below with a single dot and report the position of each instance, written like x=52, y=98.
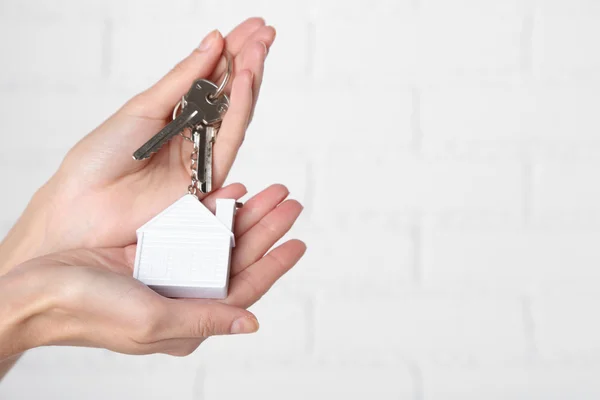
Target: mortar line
x=527, y=185
x=309, y=192
x=198, y=385
x=417, y=252
x=529, y=327
x=415, y=120
x=417, y=376
x=526, y=40
x=310, y=50
x=310, y=327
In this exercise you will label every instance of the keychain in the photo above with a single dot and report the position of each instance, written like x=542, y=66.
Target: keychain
x=185, y=251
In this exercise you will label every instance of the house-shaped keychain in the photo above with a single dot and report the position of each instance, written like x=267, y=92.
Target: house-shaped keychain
x=185, y=251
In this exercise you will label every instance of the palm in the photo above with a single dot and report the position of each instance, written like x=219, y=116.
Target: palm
x=110, y=195
x=263, y=221
x=123, y=315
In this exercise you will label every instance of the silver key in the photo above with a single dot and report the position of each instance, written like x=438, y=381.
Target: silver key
x=204, y=139
x=200, y=109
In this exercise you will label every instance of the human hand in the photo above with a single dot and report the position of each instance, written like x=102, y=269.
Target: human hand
x=100, y=195
x=87, y=297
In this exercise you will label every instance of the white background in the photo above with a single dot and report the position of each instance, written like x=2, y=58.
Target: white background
x=447, y=153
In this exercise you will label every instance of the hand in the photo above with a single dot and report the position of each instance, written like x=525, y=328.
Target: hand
x=100, y=195
x=88, y=298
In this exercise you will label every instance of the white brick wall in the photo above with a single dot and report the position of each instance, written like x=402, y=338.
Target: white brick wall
x=447, y=154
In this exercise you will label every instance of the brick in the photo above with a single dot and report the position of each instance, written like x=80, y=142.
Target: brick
x=363, y=118
x=434, y=326
x=566, y=187
x=278, y=120
x=511, y=382
x=508, y=258
x=156, y=11
x=358, y=60
x=488, y=7
x=273, y=11
x=560, y=7
x=363, y=256
x=63, y=120
x=311, y=382
x=97, y=374
x=142, y=54
x=482, y=116
x=564, y=322
x=468, y=46
x=59, y=53
x=562, y=114
x=564, y=46
x=411, y=183
x=371, y=9
x=98, y=10
x=56, y=10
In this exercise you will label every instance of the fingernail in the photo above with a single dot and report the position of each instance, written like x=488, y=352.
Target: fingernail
x=208, y=40
x=244, y=325
x=266, y=49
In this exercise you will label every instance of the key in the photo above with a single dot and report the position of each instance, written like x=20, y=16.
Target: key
x=200, y=109
x=206, y=139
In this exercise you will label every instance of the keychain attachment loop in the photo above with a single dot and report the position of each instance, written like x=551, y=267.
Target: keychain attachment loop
x=226, y=78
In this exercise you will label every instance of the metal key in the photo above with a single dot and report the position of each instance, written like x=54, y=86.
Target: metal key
x=200, y=109
x=205, y=140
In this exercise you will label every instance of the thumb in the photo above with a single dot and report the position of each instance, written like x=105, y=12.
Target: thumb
x=194, y=319
x=158, y=101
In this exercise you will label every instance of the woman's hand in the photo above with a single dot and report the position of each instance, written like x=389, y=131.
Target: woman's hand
x=88, y=297
x=100, y=195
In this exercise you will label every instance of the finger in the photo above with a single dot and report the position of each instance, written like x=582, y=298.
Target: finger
x=253, y=59
x=188, y=318
x=233, y=191
x=263, y=37
x=233, y=127
x=235, y=40
x=260, y=238
x=258, y=207
x=251, y=284
x=158, y=101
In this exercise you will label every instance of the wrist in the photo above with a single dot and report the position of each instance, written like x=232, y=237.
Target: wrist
x=28, y=238
x=24, y=298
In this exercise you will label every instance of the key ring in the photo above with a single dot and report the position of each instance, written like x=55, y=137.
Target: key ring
x=228, y=71
x=217, y=94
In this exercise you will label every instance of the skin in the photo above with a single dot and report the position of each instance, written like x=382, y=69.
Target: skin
x=66, y=266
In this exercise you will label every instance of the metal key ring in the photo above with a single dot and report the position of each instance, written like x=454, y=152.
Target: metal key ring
x=228, y=71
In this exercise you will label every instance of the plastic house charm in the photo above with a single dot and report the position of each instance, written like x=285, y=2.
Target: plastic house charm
x=185, y=251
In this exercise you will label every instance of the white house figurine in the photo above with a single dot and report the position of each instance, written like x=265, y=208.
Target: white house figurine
x=185, y=251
